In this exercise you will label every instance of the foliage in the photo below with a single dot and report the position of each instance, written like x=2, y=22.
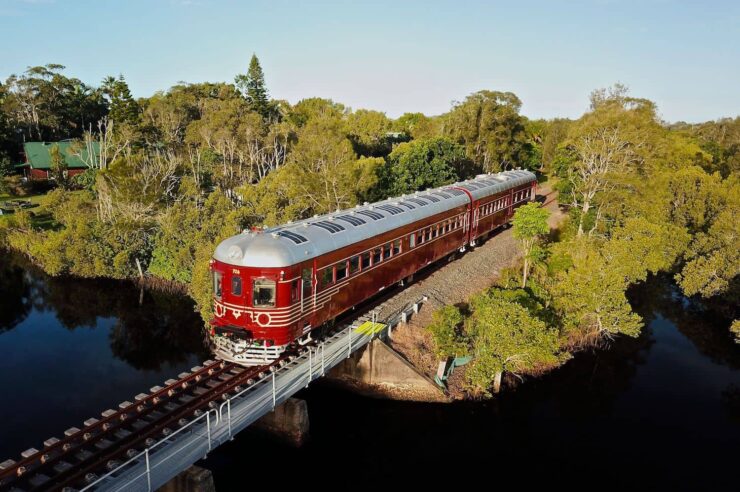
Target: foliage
x=58, y=166
x=735, y=330
x=506, y=338
x=45, y=105
x=122, y=108
x=252, y=86
x=591, y=296
x=714, y=259
x=189, y=166
x=369, y=132
x=530, y=225
x=417, y=126
x=446, y=330
x=422, y=164
x=490, y=128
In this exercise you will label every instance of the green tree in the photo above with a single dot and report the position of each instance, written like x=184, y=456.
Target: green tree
x=422, y=164
x=639, y=247
x=417, y=125
x=714, y=259
x=530, y=225
x=591, y=296
x=506, y=338
x=46, y=105
x=254, y=89
x=488, y=124
x=369, y=132
x=58, y=165
x=322, y=174
x=122, y=106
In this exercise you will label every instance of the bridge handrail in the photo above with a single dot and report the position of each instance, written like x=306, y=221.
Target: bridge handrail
x=146, y=453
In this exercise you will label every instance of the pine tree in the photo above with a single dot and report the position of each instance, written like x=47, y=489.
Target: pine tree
x=253, y=88
x=123, y=108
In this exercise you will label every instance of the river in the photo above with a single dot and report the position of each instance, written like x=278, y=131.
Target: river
x=659, y=411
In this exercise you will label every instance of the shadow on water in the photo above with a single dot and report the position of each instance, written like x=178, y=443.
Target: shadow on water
x=70, y=348
x=657, y=411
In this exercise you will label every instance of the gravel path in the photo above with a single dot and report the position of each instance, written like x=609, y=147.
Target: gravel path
x=454, y=283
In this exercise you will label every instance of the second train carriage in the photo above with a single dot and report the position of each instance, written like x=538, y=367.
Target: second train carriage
x=273, y=287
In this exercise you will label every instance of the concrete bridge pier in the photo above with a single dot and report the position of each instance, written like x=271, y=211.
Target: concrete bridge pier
x=379, y=371
x=194, y=479
x=288, y=422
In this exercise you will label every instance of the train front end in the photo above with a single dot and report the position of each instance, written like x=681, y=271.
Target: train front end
x=254, y=292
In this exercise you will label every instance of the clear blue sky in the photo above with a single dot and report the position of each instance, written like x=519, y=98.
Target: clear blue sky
x=398, y=56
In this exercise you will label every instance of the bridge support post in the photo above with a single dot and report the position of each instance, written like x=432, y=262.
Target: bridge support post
x=379, y=371
x=288, y=422
x=194, y=479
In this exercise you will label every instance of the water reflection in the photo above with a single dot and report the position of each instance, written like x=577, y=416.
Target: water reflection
x=70, y=348
x=16, y=299
x=151, y=329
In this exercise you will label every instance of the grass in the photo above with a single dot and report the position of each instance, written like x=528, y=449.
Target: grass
x=41, y=217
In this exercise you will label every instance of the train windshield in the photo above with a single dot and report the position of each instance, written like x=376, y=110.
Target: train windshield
x=264, y=292
x=217, y=284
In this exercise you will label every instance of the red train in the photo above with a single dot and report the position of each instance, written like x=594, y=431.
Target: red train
x=273, y=287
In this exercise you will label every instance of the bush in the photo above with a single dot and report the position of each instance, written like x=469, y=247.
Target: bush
x=446, y=329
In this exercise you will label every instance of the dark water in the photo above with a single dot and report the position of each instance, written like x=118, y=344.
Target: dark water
x=658, y=412
x=71, y=348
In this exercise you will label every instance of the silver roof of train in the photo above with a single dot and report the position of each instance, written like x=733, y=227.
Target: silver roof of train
x=299, y=241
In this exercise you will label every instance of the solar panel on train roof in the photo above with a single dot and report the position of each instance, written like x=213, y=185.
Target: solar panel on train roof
x=371, y=214
x=417, y=201
x=454, y=191
x=296, y=238
x=355, y=221
x=328, y=226
x=391, y=209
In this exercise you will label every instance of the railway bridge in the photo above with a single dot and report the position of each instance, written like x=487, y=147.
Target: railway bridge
x=146, y=442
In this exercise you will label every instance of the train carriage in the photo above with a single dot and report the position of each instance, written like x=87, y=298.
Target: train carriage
x=272, y=288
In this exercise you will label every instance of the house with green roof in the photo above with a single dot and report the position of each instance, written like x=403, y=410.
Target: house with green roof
x=37, y=158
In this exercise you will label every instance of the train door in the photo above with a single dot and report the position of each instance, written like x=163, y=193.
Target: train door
x=476, y=219
x=306, y=288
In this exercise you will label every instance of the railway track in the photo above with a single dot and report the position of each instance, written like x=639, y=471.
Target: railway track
x=102, y=443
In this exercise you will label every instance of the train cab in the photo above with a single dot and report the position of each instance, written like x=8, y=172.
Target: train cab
x=256, y=292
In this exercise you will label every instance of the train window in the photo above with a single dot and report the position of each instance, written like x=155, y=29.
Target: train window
x=386, y=251
x=263, y=292
x=412, y=240
x=435, y=231
x=326, y=277
x=365, y=260
x=396, y=247
x=341, y=270
x=420, y=237
x=354, y=265
x=217, y=276
x=294, y=289
x=376, y=255
x=236, y=285
x=427, y=234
